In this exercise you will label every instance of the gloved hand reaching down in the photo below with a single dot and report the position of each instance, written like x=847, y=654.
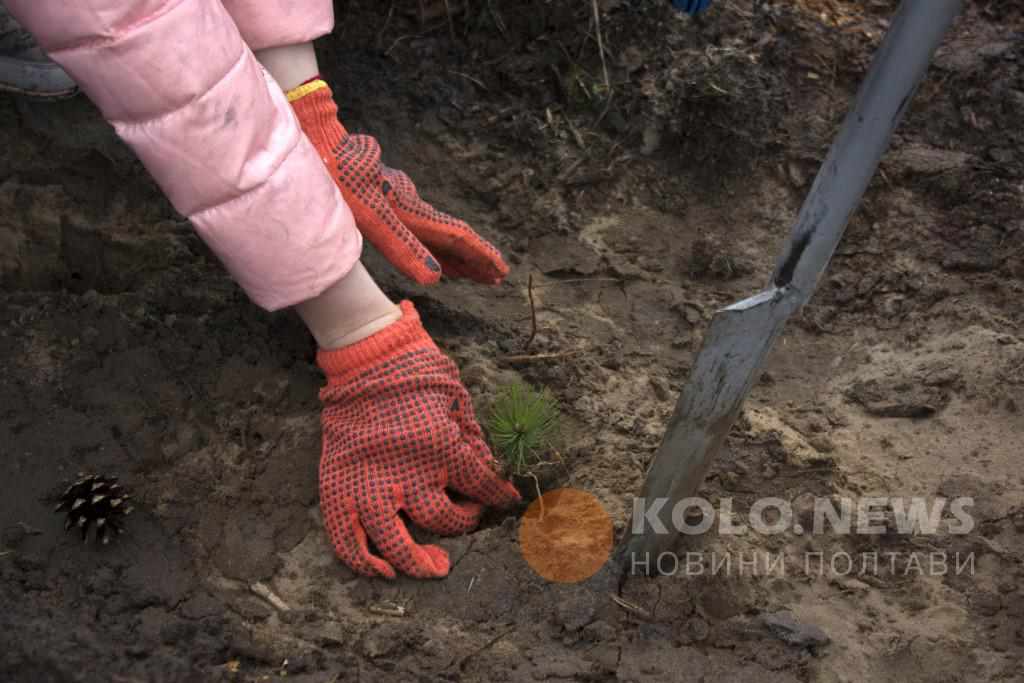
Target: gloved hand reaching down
x=398, y=430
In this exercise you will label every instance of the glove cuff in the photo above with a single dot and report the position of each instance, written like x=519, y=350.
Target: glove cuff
x=405, y=334
x=314, y=106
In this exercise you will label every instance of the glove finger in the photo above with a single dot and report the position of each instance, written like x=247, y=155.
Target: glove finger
x=450, y=238
x=455, y=269
x=434, y=511
x=400, y=247
x=358, y=175
x=461, y=411
x=474, y=473
x=439, y=556
x=396, y=545
x=350, y=541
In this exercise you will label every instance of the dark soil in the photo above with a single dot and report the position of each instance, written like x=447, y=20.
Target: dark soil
x=127, y=351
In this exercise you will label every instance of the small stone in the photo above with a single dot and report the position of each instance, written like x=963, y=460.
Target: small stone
x=661, y=389
x=795, y=174
x=613, y=362
x=784, y=626
x=696, y=629
x=822, y=443
x=297, y=664
x=474, y=374
x=803, y=509
x=1001, y=155
x=850, y=584
x=651, y=140
x=632, y=58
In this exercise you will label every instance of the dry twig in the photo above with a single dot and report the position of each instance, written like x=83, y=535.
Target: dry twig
x=578, y=280
x=600, y=48
x=451, y=22
x=388, y=609
x=631, y=607
x=270, y=596
x=533, y=313
x=471, y=79
x=461, y=663
x=530, y=358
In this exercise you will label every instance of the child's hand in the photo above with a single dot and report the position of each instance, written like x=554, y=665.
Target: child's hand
x=416, y=238
x=398, y=429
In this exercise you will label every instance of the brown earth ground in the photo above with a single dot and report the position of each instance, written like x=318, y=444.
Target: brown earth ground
x=125, y=350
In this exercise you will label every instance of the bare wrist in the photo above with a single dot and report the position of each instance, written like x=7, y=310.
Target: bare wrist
x=349, y=310
x=363, y=331
x=290, y=65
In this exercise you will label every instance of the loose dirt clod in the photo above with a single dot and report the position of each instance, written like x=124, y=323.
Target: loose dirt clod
x=787, y=628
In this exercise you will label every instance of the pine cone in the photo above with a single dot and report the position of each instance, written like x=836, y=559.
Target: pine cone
x=98, y=502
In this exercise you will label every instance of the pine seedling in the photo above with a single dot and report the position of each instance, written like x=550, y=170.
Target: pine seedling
x=522, y=424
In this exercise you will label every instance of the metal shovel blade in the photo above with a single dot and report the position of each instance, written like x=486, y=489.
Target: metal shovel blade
x=741, y=335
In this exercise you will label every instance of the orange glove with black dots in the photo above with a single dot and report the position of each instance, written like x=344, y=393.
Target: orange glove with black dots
x=416, y=238
x=398, y=430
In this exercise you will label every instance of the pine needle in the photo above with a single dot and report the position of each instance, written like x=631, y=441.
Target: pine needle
x=522, y=425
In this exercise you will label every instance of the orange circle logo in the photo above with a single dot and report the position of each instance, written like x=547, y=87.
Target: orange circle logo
x=566, y=536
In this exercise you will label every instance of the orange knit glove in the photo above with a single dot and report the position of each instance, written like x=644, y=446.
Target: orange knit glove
x=415, y=237
x=398, y=429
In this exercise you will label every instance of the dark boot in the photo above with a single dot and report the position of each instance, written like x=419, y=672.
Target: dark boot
x=24, y=67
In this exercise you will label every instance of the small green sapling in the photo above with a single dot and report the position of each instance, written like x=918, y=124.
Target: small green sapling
x=523, y=424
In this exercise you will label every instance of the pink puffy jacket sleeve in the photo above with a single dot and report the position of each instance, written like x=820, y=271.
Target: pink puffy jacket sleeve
x=273, y=23
x=180, y=86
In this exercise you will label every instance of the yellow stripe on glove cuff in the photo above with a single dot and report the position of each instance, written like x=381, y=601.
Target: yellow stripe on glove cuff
x=305, y=89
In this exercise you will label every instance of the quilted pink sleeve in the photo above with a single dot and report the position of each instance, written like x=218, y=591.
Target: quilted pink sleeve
x=181, y=87
x=273, y=23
